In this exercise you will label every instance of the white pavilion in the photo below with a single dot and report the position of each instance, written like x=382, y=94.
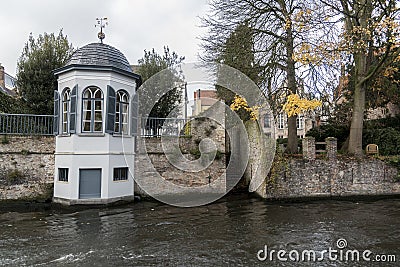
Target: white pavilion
x=95, y=126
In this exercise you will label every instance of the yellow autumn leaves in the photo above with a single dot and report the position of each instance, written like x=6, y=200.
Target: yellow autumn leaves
x=306, y=54
x=295, y=105
x=241, y=103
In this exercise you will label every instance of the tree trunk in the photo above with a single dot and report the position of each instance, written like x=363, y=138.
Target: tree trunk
x=357, y=118
x=291, y=83
x=292, y=146
x=361, y=65
x=357, y=121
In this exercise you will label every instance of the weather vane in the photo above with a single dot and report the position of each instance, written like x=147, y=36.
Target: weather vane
x=101, y=22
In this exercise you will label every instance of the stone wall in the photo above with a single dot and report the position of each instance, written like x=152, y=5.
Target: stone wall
x=26, y=167
x=155, y=158
x=330, y=175
x=340, y=177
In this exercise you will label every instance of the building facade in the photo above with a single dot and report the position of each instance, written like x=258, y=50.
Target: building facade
x=8, y=84
x=277, y=128
x=203, y=100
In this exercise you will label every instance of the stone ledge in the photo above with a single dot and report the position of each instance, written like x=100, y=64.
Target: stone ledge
x=92, y=201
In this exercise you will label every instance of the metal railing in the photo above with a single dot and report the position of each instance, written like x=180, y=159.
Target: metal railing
x=30, y=124
x=156, y=127
x=26, y=124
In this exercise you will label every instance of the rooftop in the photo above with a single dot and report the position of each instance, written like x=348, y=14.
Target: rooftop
x=98, y=54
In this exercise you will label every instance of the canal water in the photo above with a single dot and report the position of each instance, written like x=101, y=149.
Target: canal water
x=235, y=231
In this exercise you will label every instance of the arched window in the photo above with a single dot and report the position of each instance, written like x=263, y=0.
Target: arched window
x=121, y=112
x=92, y=111
x=66, y=107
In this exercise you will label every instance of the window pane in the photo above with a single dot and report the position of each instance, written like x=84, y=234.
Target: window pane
x=66, y=95
x=98, y=94
x=98, y=126
x=125, y=128
x=87, y=115
x=87, y=105
x=98, y=105
x=86, y=126
x=124, y=108
x=125, y=117
x=87, y=94
x=63, y=174
x=120, y=174
x=98, y=116
x=124, y=173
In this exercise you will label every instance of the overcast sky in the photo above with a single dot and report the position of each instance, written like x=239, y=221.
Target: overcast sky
x=134, y=25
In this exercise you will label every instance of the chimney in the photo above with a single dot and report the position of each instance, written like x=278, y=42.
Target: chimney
x=2, y=78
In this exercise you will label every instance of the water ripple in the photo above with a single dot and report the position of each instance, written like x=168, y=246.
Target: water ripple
x=229, y=232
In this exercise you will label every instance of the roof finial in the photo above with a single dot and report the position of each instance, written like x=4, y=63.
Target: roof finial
x=101, y=22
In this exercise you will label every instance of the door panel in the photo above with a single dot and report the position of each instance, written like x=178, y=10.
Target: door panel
x=89, y=183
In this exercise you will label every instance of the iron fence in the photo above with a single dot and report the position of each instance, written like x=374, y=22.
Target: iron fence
x=156, y=127
x=30, y=124
x=26, y=124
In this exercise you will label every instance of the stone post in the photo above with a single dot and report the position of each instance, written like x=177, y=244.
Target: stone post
x=331, y=148
x=308, y=148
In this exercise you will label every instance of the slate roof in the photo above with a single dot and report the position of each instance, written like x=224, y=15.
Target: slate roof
x=98, y=54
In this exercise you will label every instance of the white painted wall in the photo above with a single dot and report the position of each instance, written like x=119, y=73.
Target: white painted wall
x=109, y=188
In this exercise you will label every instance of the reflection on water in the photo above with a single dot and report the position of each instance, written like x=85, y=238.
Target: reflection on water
x=227, y=233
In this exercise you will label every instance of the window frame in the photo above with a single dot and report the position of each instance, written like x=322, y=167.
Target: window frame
x=120, y=171
x=281, y=121
x=120, y=104
x=63, y=175
x=92, y=99
x=300, y=122
x=65, y=110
